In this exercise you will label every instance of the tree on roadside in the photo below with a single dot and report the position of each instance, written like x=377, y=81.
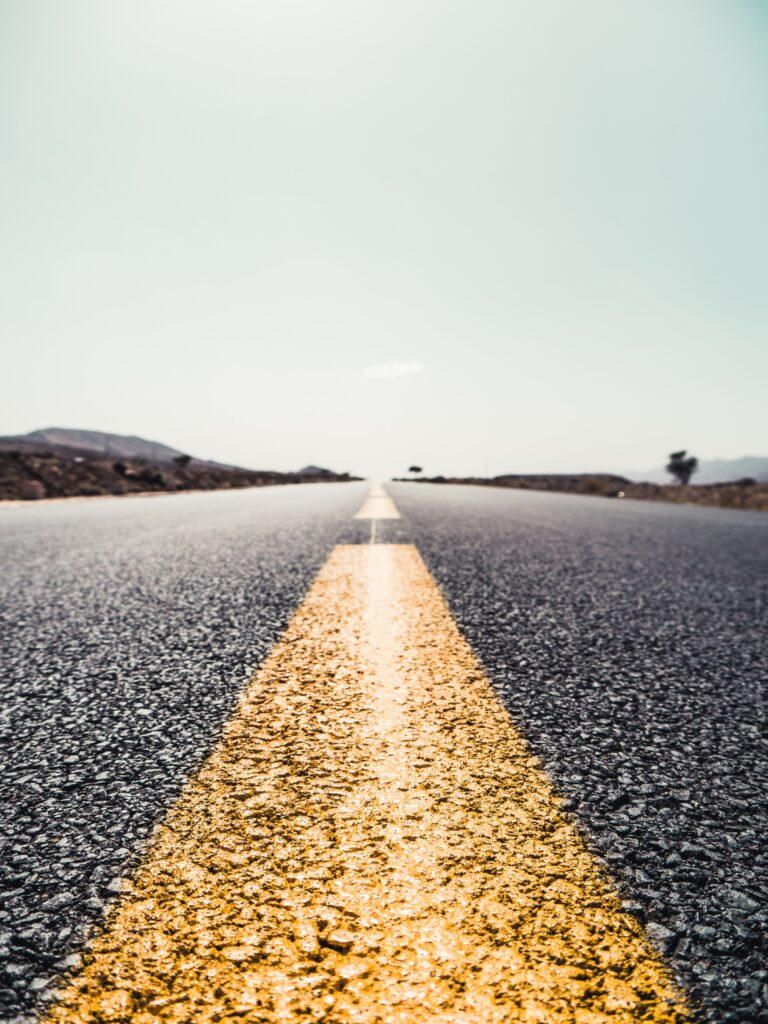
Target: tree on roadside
x=682, y=466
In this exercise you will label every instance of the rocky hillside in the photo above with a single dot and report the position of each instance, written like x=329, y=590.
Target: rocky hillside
x=736, y=494
x=576, y=483
x=30, y=474
x=746, y=494
x=92, y=443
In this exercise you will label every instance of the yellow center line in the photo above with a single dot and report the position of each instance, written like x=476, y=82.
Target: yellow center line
x=378, y=505
x=370, y=841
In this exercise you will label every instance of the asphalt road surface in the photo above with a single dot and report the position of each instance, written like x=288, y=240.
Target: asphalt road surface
x=627, y=640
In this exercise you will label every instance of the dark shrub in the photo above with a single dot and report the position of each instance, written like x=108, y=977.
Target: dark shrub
x=681, y=467
x=152, y=476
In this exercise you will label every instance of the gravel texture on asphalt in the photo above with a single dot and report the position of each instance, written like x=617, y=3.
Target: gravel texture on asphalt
x=129, y=627
x=370, y=843
x=629, y=643
x=627, y=640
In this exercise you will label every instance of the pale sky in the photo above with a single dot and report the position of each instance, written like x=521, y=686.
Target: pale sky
x=484, y=236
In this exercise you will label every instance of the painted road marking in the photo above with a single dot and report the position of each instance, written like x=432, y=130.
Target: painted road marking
x=378, y=505
x=371, y=841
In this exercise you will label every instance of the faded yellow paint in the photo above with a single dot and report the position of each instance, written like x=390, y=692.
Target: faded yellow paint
x=378, y=505
x=371, y=841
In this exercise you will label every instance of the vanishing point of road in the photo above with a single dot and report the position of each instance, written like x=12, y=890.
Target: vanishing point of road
x=422, y=753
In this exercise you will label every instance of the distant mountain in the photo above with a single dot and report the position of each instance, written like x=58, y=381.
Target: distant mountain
x=315, y=471
x=715, y=471
x=93, y=443
x=97, y=444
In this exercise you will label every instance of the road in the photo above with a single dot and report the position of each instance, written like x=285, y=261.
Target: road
x=626, y=640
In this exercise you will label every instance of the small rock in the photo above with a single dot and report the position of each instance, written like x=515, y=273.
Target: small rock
x=32, y=490
x=617, y=799
x=341, y=941
x=64, y=899
x=740, y=901
x=692, y=850
x=661, y=935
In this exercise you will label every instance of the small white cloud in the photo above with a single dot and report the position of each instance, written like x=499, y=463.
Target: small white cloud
x=391, y=370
